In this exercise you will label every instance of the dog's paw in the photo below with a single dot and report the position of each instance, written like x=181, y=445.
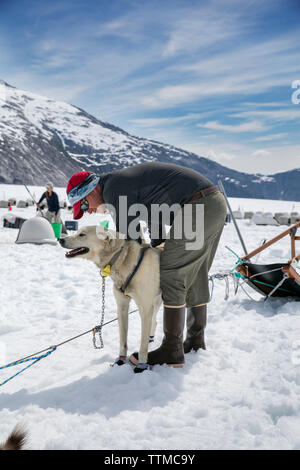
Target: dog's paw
x=140, y=368
x=120, y=361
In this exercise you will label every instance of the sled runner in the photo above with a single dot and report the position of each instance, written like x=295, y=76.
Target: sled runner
x=276, y=280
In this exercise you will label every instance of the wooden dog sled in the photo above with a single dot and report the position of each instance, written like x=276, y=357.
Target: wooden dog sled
x=274, y=280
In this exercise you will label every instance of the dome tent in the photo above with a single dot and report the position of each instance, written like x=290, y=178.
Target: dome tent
x=36, y=230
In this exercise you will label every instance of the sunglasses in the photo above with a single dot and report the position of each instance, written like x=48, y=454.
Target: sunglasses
x=84, y=205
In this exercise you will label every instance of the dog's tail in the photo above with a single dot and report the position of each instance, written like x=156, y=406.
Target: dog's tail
x=15, y=440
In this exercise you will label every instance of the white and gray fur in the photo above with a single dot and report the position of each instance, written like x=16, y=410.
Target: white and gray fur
x=144, y=288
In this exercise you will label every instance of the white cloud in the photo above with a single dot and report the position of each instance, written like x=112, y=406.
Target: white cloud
x=281, y=135
x=168, y=121
x=199, y=59
x=247, y=158
x=289, y=114
x=232, y=86
x=253, y=126
x=199, y=29
x=260, y=153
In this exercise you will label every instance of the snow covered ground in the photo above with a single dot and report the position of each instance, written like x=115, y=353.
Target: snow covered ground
x=242, y=393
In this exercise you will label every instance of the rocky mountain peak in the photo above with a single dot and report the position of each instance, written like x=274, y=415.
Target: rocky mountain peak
x=42, y=139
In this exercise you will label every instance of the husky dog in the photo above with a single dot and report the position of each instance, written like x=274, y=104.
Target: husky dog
x=106, y=248
x=15, y=440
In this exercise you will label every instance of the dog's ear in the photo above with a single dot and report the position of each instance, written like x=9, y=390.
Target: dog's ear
x=105, y=235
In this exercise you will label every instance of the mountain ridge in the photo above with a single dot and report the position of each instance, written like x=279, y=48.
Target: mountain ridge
x=43, y=139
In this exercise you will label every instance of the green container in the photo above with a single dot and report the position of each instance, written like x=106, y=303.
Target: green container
x=104, y=223
x=57, y=230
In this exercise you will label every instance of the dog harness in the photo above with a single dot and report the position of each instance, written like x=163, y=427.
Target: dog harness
x=131, y=276
x=106, y=271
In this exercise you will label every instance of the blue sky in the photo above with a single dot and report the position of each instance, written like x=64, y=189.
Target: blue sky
x=213, y=77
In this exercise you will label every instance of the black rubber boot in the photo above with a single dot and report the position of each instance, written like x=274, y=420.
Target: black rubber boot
x=196, y=323
x=171, y=350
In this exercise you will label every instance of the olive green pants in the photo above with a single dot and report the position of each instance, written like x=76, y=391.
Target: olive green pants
x=184, y=272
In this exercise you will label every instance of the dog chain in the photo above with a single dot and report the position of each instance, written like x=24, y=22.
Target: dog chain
x=99, y=327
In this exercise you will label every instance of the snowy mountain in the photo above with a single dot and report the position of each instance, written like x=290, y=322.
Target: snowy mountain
x=42, y=139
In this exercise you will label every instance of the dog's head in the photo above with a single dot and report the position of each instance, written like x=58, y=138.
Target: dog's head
x=93, y=243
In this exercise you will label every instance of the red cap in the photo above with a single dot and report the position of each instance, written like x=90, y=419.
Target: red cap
x=75, y=180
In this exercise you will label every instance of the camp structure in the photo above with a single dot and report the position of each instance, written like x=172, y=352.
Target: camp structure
x=36, y=230
x=284, y=218
x=22, y=204
x=11, y=220
x=264, y=218
x=248, y=215
x=274, y=280
x=295, y=217
x=239, y=214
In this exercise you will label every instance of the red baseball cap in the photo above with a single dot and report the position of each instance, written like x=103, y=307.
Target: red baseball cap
x=75, y=181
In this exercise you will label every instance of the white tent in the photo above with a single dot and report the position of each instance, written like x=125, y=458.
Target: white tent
x=239, y=214
x=36, y=230
x=22, y=204
x=295, y=217
x=265, y=218
x=284, y=219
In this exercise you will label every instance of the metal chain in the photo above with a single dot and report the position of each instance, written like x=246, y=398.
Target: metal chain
x=102, y=313
x=98, y=329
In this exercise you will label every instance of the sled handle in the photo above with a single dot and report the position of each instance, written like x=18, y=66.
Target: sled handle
x=290, y=231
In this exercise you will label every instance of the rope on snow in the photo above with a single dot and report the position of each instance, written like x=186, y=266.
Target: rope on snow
x=35, y=358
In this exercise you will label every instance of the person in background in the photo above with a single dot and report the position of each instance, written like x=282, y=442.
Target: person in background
x=53, y=212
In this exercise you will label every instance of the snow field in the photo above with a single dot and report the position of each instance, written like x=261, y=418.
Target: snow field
x=242, y=393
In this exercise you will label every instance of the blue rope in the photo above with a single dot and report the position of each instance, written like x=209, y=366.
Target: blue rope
x=233, y=253
x=231, y=272
x=34, y=359
x=237, y=264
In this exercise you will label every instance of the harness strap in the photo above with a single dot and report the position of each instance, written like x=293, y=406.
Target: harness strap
x=131, y=276
x=106, y=270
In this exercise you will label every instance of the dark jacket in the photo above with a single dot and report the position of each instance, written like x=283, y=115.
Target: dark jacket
x=147, y=184
x=52, y=202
